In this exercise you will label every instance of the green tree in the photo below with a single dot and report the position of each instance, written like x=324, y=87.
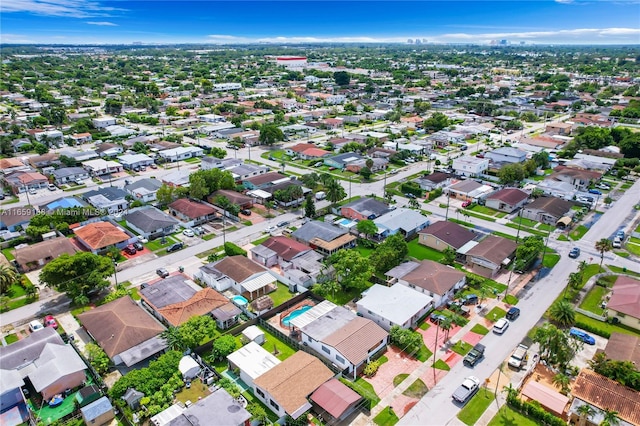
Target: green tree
x=585, y=412
x=448, y=256
x=270, y=134
x=341, y=78
x=603, y=245
x=562, y=313
x=367, y=227
x=389, y=254
x=557, y=348
x=166, y=194
x=77, y=275
x=98, y=358
x=366, y=173
x=258, y=413
x=223, y=346
x=610, y=418
x=436, y=122
x=352, y=269
x=173, y=338
x=218, y=152
x=8, y=277
x=406, y=340
x=335, y=191
x=197, y=187
x=593, y=137
x=511, y=173
x=197, y=330
x=327, y=288
x=309, y=207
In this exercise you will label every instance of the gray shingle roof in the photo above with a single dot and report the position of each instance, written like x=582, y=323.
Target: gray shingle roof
x=150, y=219
x=96, y=408
x=368, y=207
x=168, y=291
x=316, y=229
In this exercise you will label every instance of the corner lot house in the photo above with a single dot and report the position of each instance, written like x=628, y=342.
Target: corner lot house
x=149, y=222
x=547, y=210
x=507, y=199
x=286, y=387
x=245, y=276
x=253, y=361
x=97, y=237
x=469, y=190
x=37, y=255
x=445, y=234
x=124, y=330
x=625, y=302
x=395, y=305
x=433, y=181
x=340, y=336
x=432, y=278
x=490, y=255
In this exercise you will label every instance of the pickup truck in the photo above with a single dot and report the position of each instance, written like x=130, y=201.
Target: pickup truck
x=519, y=357
x=474, y=355
x=467, y=389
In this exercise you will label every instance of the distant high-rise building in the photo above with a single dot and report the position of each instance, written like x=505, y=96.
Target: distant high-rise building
x=503, y=42
x=410, y=41
x=418, y=41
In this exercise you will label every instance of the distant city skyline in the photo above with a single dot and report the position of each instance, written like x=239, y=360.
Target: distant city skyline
x=223, y=22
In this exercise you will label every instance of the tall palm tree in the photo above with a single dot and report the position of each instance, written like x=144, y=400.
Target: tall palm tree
x=575, y=279
x=446, y=325
x=610, y=418
x=562, y=380
x=335, y=191
x=585, y=411
x=173, y=338
x=8, y=277
x=562, y=313
x=603, y=245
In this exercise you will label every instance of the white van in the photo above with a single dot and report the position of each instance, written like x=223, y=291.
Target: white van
x=321, y=195
x=617, y=242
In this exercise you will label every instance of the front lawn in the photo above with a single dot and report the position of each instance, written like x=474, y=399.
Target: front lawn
x=471, y=412
x=441, y=365
x=511, y=300
x=386, y=417
x=420, y=252
x=525, y=222
x=417, y=389
x=562, y=237
x=495, y=314
x=480, y=329
x=486, y=210
x=461, y=347
x=364, y=389
x=578, y=232
x=399, y=379
x=550, y=260
x=157, y=244
x=619, y=270
x=605, y=326
x=592, y=302
x=11, y=338
x=423, y=354
x=8, y=253
x=509, y=417
x=281, y=295
x=271, y=342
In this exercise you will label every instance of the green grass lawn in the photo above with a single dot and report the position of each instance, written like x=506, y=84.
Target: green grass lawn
x=511, y=300
x=471, y=412
x=503, y=235
x=526, y=229
x=364, y=251
x=545, y=227
x=382, y=359
x=198, y=390
x=550, y=260
x=399, y=379
x=11, y=338
x=525, y=222
x=461, y=347
x=157, y=245
x=342, y=297
x=416, y=389
x=281, y=295
x=260, y=240
x=590, y=271
x=619, y=270
x=273, y=417
x=495, y=314
x=421, y=252
x=16, y=291
x=486, y=210
x=593, y=300
x=633, y=247
x=386, y=417
x=8, y=253
x=423, y=354
x=283, y=349
x=508, y=417
x=480, y=329
x=474, y=214
x=365, y=389
x=562, y=237
x=605, y=326
x=425, y=325
x=441, y=365
x=578, y=232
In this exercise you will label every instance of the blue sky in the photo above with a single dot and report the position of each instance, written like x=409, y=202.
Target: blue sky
x=452, y=21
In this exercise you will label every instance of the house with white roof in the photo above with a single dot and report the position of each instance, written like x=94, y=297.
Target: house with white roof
x=470, y=166
x=406, y=221
x=181, y=153
x=130, y=161
x=99, y=167
x=396, y=305
x=252, y=360
x=506, y=155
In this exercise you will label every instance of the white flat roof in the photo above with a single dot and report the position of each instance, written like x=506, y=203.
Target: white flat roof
x=312, y=314
x=397, y=303
x=253, y=359
x=258, y=282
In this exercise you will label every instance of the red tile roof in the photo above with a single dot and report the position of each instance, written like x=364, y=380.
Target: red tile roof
x=98, y=235
x=434, y=276
x=201, y=303
x=301, y=147
x=626, y=296
x=511, y=196
x=315, y=152
x=191, y=209
x=286, y=248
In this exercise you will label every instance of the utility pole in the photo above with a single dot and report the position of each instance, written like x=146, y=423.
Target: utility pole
x=446, y=214
x=506, y=290
x=26, y=191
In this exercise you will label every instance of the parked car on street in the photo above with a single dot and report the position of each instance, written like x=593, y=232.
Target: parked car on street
x=467, y=389
x=162, y=272
x=175, y=247
x=513, y=313
x=50, y=321
x=595, y=191
x=574, y=253
x=501, y=326
x=283, y=224
x=474, y=355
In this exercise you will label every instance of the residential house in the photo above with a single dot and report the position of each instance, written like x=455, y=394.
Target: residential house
x=265, y=180
x=208, y=163
x=324, y=237
x=444, y=234
x=99, y=167
x=548, y=398
x=377, y=164
x=433, y=181
x=144, y=190
x=603, y=394
x=181, y=153
x=20, y=144
x=396, y=305
x=64, y=203
x=340, y=336
x=332, y=123
x=432, y=278
x=109, y=199
x=15, y=218
x=150, y=222
x=305, y=270
x=98, y=412
x=252, y=361
x=624, y=304
x=405, y=221
x=50, y=137
x=66, y=175
x=314, y=153
x=563, y=129
x=192, y=212
x=469, y=190
x=623, y=347
x=228, y=412
x=341, y=161
x=241, y=172
x=489, y=256
x=132, y=161
x=579, y=178
x=80, y=138
x=470, y=166
x=14, y=411
x=49, y=159
x=364, y=208
x=109, y=150
x=79, y=156
x=284, y=389
x=548, y=210
x=99, y=237
x=507, y=199
x=124, y=331
x=506, y=155
x=21, y=181
x=298, y=149
x=39, y=254
x=103, y=122
x=8, y=165
x=278, y=251
x=244, y=201
x=50, y=365
x=334, y=401
x=177, y=178
x=176, y=299
x=243, y=275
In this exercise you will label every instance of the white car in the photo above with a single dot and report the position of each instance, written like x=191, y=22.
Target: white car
x=270, y=228
x=35, y=325
x=188, y=233
x=501, y=326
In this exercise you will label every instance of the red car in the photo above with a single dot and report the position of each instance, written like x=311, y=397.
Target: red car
x=50, y=321
x=466, y=203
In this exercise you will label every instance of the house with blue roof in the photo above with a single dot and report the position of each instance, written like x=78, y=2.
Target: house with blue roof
x=64, y=203
x=341, y=161
x=99, y=412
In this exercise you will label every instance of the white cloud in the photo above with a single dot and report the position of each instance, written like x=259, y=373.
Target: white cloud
x=66, y=8
x=102, y=23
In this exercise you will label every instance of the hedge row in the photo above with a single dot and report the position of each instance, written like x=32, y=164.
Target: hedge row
x=535, y=412
x=593, y=329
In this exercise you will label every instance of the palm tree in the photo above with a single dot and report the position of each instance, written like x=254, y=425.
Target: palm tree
x=610, y=418
x=602, y=246
x=8, y=277
x=562, y=380
x=446, y=325
x=173, y=338
x=335, y=191
x=585, y=411
x=575, y=279
x=562, y=313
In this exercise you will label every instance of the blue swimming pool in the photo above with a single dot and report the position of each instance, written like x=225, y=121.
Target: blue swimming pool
x=286, y=321
x=239, y=300
x=344, y=221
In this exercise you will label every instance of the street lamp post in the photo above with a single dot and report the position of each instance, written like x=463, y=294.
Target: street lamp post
x=115, y=271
